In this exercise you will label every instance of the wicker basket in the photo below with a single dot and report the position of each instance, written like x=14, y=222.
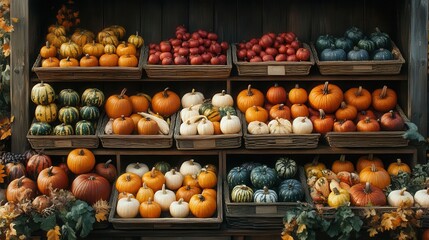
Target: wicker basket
x=188, y=71
x=388, y=67
x=260, y=215
x=272, y=68
x=135, y=141
x=58, y=142
x=274, y=141
x=199, y=142
x=89, y=73
x=369, y=139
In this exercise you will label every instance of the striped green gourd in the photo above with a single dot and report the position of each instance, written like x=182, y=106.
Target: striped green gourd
x=242, y=193
x=286, y=167
x=46, y=113
x=291, y=190
x=238, y=176
x=63, y=130
x=89, y=113
x=263, y=176
x=40, y=128
x=224, y=111
x=162, y=167
x=92, y=96
x=84, y=127
x=68, y=115
x=42, y=94
x=68, y=97
x=265, y=196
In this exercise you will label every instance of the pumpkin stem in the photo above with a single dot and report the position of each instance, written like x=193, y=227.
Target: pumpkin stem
x=326, y=88
x=137, y=165
x=50, y=170
x=137, y=33
x=153, y=173
x=48, y=45
x=266, y=190
x=93, y=42
x=223, y=92
x=106, y=165
x=335, y=190
x=304, y=119
x=92, y=178
x=281, y=106
x=367, y=188
x=228, y=115
x=367, y=120
x=163, y=189
x=87, y=56
x=201, y=197
x=180, y=201
x=20, y=181
x=377, y=29
x=249, y=90
x=188, y=187
x=190, y=107
x=68, y=59
x=123, y=117
x=149, y=201
x=322, y=114
x=128, y=177
x=165, y=93
x=297, y=86
x=383, y=92
x=343, y=105
x=129, y=196
x=122, y=93
x=81, y=152
x=402, y=191
x=392, y=114
x=144, y=185
x=358, y=92
x=373, y=168
x=399, y=162
x=342, y=158
x=191, y=161
x=276, y=85
x=193, y=91
x=244, y=187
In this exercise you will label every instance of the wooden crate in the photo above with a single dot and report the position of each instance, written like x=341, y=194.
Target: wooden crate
x=57, y=142
x=388, y=67
x=166, y=221
x=260, y=215
x=188, y=71
x=272, y=68
x=369, y=139
x=135, y=141
x=89, y=73
x=200, y=142
x=278, y=141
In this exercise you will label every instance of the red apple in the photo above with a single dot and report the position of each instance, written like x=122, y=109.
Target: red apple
x=202, y=33
x=241, y=46
x=280, y=39
x=167, y=61
x=242, y=54
x=222, y=59
x=152, y=51
x=254, y=41
x=176, y=42
x=183, y=51
x=153, y=59
x=165, y=55
x=249, y=45
x=256, y=59
x=195, y=35
x=289, y=37
x=266, y=41
x=185, y=44
x=216, y=48
x=392, y=121
x=250, y=54
x=206, y=57
x=267, y=58
x=215, y=61
x=207, y=43
x=262, y=54
x=193, y=43
x=257, y=48
x=212, y=36
x=290, y=51
x=281, y=57
x=303, y=54
x=180, y=60
x=295, y=44
x=271, y=51
x=165, y=46
x=282, y=49
x=196, y=60
x=152, y=46
x=224, y=45
x=292, y=58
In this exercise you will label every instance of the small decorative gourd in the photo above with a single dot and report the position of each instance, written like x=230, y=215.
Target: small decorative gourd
x=242, y=193
x=257, y=127
x=192, y=98
x=302, y=125
x=128, y=207
x=280, y=126
x=164, y=198
x=400, y=198
x=205, y=127
x=179, y=209
x=230, y=124
x=173, y=179
x=421, y=198
x=138, y=168
x=265, y=195
x=338, y=197
x=188, y=128
x=222, y=99
x=190, y=167
x=187, y=113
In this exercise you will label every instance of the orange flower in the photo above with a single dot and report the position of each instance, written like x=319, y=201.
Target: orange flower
x=6, y=49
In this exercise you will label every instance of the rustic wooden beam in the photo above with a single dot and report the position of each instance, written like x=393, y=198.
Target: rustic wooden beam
x=20, y=77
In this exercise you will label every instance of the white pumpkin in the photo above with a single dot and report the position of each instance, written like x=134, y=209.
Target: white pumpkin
x=302, y=125
x=179, y=209
x=137, y=168
x=188, y=128
x=108, y=129
x=192, y=98
x=230, y=124
x=164, y=198
x=257, y=127
x=188, y=112
x=222, y=99
x=173, y=179
x=127, y=207
x=205, y=127
x=399, y=198
x=190, y=167
x=421, y=198
x=280, y=126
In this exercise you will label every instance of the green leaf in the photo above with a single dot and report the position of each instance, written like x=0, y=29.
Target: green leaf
x=49, y=223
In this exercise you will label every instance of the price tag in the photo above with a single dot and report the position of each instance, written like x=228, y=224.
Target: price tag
x=63, y=143
x=276, y=70
x=266, y=209
x=362, y=68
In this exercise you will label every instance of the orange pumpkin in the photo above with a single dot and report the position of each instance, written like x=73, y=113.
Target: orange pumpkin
x=147, y=126
x=190, y=180
x=368, y=125
x=166, y=103
x=365, y=194
x=207, y=179
x=384, y=99
x=276, y=94
x=186, y=192
x=298, y=95
x=209, y=192
x=54, y=177
x=315, y=164
x=82, y=37
x=128, y=182
x=20, y=189
x=397, y=167
x=368, y=160
x=364, y=114
x=342, y=165
x=322, y=124
x=48, y=51
x=88, y=61
x=150, y=209
x=123, y=125
x=299, y=110
x=118, y=30
x=202, y=207
x=327, y=97
x=144, y=193
x=216, y=126
x=125, y=195
x=256, y=113
x=108, y=60
x=80, y=160
x=248, y=98
x=56, y=29
x=56, y=41
x=377, y=176
x=117, y=105
x=51, y=62
x=139, y=102
x=128, y=61
x=69, y=62
x=358, y=97
x=346, y=112
x=126, y=48
x=93, y=49
x=280, y=111
x=154, y=179
x=136, y=118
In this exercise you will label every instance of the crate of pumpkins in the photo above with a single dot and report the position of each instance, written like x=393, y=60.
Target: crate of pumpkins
x=177, y=194
x=208, y=123
x=357, y=54
x=258, y=195
x=68, y=120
